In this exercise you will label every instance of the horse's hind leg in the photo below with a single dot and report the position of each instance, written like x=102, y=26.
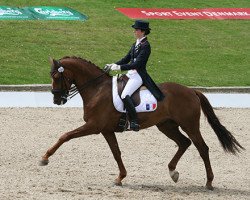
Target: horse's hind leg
x=203, y=149
x=170, y=129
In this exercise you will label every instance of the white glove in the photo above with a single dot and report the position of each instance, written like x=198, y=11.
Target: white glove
x=115, y=67
x=109, y=65
x=107, y=68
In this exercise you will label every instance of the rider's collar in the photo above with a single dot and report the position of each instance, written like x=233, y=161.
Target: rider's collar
x=138, y=41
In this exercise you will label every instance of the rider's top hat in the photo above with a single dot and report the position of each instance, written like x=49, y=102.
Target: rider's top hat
x=140, y=24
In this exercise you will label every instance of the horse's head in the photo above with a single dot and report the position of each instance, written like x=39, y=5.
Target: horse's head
x=73, y=70
x=61, y=82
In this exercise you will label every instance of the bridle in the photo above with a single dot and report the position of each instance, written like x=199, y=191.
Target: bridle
x=62, y=91
x=69, y=93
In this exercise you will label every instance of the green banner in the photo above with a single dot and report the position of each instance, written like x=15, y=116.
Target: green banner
x=40, y=13
x=55, y=13
x=14, y=13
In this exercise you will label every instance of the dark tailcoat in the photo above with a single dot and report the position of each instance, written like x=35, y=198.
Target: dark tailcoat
x=137, y=58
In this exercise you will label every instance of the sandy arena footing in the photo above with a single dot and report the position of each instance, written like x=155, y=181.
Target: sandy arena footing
x=84, y=168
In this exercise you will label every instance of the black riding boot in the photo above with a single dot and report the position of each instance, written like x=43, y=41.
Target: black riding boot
x=130, y=108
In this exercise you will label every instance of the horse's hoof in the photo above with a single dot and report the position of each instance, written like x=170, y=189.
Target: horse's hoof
x=174, y=175
x=117, y=183
x=209, y=187
x=43, y=162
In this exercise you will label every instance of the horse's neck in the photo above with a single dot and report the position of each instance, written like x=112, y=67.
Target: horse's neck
x=85, y=76
x=95, y=89
x=82, y=70
x=89, y=80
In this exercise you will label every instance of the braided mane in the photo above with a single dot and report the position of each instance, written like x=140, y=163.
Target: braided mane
x=81, y=60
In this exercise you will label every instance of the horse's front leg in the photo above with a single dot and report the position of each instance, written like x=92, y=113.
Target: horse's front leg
x=113, y=144
x=86, y=129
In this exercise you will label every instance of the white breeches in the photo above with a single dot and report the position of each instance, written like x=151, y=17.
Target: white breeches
x=134, y=82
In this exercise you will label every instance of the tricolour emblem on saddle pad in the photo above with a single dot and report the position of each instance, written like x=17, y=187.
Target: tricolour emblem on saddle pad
x=148, y=102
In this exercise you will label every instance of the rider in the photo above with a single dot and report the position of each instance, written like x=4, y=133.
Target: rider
x=135, y=62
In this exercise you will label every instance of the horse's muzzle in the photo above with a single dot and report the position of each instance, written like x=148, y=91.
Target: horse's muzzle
x=60, y=97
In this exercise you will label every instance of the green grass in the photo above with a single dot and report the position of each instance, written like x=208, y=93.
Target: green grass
x=190, y=52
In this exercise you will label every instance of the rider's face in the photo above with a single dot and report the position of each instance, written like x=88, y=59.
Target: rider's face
x=139, y=33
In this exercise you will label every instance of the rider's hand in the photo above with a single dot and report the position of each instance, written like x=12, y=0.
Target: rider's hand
x=107, y=67
x=115, y=67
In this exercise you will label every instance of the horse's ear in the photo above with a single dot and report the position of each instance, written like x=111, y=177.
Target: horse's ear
x=53, y=62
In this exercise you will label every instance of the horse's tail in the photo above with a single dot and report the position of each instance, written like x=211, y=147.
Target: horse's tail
x=227, y=140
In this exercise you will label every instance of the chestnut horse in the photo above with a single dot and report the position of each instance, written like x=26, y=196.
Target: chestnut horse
x=181, y=108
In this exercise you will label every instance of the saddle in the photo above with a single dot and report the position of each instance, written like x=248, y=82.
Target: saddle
x=121, y=83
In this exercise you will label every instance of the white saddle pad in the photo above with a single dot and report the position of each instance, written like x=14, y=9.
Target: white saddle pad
x=148, y=101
